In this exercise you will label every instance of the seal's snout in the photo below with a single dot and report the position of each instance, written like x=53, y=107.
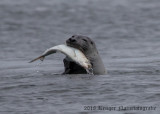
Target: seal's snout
x=72, y=40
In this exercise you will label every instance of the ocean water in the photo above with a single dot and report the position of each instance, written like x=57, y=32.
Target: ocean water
x=128, y=39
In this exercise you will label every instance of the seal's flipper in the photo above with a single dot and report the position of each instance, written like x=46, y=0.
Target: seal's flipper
x=72, y=67
x=40, y=57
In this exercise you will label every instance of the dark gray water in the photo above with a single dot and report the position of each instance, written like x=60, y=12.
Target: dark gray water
x=127, y=34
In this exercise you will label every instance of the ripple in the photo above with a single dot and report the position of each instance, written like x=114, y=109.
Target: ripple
x=126, y=34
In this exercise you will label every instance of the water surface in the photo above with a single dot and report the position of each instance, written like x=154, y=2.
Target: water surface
x=127, y=37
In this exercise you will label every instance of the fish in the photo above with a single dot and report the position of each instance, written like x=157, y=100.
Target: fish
x=74, y=54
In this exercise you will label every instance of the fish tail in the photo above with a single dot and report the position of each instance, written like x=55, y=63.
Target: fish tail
x=40, y=57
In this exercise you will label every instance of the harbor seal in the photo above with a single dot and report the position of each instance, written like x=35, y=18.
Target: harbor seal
x=88, y=47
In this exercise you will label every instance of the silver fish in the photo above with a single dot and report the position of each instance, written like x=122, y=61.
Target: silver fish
x=73, y=53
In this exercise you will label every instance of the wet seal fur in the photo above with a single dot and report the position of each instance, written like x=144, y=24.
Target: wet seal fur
x=88, y=47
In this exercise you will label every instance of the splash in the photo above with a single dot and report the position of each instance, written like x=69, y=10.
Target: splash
x=90, y=71
x=39, y=65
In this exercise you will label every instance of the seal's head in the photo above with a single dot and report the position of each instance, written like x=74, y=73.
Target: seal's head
x=83, y=43
x=88, y=47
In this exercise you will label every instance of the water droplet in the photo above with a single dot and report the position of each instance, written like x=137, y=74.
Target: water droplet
x=39, y=63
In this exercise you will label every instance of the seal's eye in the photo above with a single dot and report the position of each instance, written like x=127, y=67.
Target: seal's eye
x=84, y=40
x=91, y=42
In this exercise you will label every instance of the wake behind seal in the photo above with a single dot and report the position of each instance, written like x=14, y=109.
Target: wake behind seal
x=88, y=47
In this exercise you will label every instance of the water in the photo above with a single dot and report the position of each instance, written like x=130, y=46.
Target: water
x=126, y=34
